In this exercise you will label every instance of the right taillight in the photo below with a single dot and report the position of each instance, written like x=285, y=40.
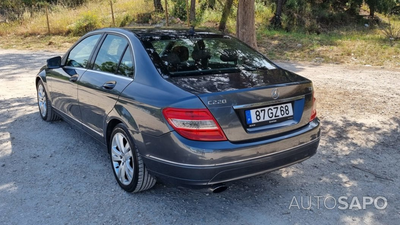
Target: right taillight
x=314, y=108
x=194, y=124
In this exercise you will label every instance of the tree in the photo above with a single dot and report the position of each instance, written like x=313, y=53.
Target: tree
x=245, y=22
x=158, y=6
x=211, y=4
x=383, y=6
x=225, y=14
x=179, y=9
x=192, y=11
x=276, y=21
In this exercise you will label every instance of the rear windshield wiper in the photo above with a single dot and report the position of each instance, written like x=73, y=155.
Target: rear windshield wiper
x=204, y=72
x=252, y=67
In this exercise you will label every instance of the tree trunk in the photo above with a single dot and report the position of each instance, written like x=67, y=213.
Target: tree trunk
x=192, y=11
x=211, y=4
x=354, y=7
x=276, y=21
x=225, y=15
x=245, y=23
x=166, y=13
x=158, y=6
x=372, y=11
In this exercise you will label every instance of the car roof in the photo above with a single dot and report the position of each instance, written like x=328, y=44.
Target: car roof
x=164, y=33
x=172, y=33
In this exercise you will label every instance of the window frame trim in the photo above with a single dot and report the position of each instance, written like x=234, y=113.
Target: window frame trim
x=88, y=65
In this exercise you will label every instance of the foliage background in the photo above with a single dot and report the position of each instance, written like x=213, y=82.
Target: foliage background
x=330, y=31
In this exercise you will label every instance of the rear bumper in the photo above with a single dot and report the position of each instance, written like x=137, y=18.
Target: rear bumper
x=186, y=162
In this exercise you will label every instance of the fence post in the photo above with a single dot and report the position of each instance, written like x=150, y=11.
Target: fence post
x=47, y=19
x=112, y=13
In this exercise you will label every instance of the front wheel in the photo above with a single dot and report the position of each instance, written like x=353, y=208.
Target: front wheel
x=126, y=162
x=45, y=109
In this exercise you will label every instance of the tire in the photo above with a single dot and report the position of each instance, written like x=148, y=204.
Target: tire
x=129, y=170
x=45, y=109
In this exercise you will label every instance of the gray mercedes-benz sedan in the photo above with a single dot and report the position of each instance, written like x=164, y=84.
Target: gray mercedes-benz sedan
x=192, y=107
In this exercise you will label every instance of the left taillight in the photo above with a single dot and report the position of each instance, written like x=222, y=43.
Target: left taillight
x=194, y=124
x=314, y=108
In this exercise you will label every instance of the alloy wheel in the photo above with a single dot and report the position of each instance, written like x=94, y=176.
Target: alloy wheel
x=42, y=100
x=122, y=158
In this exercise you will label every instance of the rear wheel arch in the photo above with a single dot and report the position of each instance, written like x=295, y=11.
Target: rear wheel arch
x=140, y=178
x=113, y=122
x=110, y=127
x=115, y=117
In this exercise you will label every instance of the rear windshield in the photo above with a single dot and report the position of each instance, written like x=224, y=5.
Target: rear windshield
x=181, y=56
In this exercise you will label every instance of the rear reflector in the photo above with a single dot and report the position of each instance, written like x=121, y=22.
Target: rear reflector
x=314, y=109
x=194, y=124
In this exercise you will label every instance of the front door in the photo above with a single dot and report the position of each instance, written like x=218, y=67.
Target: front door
x=62, y=81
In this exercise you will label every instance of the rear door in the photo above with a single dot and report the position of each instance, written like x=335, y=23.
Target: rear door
x=100, y=86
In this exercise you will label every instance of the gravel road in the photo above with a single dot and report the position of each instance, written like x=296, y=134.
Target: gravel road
x=51, y=173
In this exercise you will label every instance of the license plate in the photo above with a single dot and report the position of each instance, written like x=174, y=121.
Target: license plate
x=269, y=114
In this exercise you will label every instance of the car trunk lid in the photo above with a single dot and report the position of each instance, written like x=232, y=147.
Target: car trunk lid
x=248, y=104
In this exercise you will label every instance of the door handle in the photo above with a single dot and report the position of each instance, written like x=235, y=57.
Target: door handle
x=74, y=78
x=109, y=84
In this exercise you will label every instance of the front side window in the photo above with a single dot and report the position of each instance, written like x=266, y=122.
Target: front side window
x=80, y=54
x=110, y=54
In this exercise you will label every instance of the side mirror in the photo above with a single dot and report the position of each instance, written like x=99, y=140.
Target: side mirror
x=54, y=63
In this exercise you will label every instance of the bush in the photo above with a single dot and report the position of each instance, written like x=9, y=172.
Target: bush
x=143, y=18
x=179, y=9
x=68, y=3
x=126, y=20
x=88, y=22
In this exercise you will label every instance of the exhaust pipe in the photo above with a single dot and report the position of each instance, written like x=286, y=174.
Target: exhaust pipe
x=218, y=188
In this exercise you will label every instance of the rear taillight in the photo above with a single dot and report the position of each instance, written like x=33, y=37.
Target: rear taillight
x=194, y=124
x=314, y=109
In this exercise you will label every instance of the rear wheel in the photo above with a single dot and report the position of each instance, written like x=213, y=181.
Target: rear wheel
x=126, y=162
x=45, y=109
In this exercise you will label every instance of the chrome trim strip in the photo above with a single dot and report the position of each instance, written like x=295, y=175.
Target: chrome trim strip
x=111, y=74
x=80, y=123
x=232, y=162
x=260, y=104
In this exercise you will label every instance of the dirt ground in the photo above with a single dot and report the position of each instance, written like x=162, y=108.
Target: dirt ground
x=51, y=173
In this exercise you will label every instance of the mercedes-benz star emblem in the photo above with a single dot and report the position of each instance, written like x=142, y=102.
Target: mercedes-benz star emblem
x=275, y=93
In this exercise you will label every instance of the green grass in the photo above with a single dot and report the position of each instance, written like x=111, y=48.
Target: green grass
x=361, y=47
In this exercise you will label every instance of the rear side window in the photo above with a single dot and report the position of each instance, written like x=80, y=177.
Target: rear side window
x=110, y=54
x=80, y=54
x=126, y=67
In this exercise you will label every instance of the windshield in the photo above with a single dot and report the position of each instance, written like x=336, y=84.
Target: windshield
x=181, y=56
